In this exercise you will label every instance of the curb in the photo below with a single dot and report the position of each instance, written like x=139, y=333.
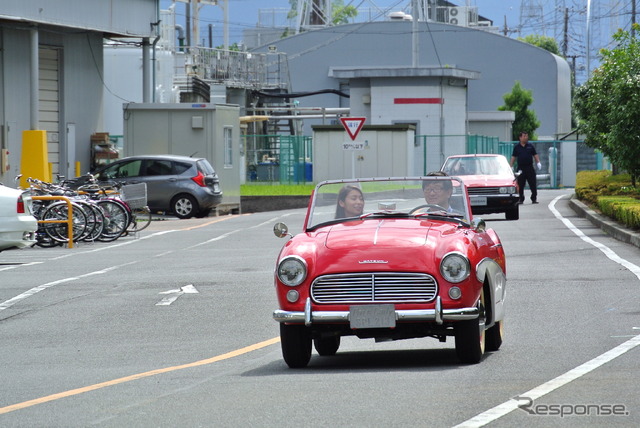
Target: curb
x=609, y=226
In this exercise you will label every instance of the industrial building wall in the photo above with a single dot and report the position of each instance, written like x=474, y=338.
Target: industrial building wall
x=80, y=96
x=75, y=103
x=441, y=111
x=500, y=60
x=127, y=17
x=14, y=110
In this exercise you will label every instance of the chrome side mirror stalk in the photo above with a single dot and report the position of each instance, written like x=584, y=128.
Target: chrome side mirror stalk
x=479, y=225
x=281, y=230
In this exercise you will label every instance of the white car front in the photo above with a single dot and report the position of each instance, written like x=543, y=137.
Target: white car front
x=17, y=225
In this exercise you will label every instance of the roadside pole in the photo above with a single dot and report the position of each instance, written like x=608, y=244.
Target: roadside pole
x=352, y=125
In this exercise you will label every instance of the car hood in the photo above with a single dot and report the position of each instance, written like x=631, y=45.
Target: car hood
x=380, y=244
x=383, y=233
x=487, y=180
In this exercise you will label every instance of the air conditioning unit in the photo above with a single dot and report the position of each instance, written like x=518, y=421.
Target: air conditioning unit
x=458, y=16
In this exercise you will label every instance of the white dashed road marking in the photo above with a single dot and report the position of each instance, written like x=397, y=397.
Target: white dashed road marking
x=508, y=406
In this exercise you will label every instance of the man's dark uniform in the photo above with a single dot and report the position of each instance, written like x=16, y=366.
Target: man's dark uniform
x=525, y=156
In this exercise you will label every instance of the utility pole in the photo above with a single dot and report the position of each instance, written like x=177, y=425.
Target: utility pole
x=565, y=40
x=414, y=34
x=633, y=17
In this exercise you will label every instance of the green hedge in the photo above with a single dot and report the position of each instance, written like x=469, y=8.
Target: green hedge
x=613, y=195
x=624, y=209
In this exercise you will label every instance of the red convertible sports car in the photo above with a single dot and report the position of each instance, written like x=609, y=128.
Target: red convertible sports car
x=390, y=259
x=490, y=181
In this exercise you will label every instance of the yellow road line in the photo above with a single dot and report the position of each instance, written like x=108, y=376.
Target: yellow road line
x=131, y=378
x=214, y=221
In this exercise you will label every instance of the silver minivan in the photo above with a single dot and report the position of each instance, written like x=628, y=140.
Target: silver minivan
x=181, y=185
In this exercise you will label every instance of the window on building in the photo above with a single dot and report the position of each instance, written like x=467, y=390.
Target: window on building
x=228, y=148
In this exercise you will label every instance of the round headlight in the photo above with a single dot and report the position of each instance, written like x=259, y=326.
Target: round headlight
x=292, y=271
x=511, y=189
x=455, y=267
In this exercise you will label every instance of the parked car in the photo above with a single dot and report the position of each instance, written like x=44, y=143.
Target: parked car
x=17, y=225
x=490, y=181
x=181, y=185
x=394, y=268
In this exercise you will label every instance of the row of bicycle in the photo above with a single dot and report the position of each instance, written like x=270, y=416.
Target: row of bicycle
x=87, y=213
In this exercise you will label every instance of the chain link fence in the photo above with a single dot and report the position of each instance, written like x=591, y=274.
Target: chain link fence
x=286, y=159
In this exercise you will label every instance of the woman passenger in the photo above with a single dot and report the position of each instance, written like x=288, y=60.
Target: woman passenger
x=350, y=202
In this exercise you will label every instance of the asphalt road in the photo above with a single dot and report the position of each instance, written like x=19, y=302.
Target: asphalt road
x=174, y=328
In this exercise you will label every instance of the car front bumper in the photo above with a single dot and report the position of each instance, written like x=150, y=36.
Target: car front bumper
x=494, y=203
x=437, y=315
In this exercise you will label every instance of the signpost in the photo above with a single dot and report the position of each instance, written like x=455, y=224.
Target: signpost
x=353, y=125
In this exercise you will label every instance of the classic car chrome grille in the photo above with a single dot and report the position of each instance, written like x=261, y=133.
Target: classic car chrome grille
x=386, y=287
x=483, y=190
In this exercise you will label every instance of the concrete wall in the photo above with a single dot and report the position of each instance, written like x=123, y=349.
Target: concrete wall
x=389, y=151
x=492, y=123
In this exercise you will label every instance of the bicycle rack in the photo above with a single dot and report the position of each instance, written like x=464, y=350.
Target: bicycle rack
x=69, y=219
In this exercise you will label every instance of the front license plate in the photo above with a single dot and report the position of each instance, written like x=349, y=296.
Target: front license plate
x=372, y=316
x=478, y=201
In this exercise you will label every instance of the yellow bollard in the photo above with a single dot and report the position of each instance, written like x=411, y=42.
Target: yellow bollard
x=34, y=162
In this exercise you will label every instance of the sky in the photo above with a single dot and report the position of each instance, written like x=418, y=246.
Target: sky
x=505, y=14
x=245, y=13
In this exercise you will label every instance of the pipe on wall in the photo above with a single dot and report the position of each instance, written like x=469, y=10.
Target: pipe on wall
x=35, y=86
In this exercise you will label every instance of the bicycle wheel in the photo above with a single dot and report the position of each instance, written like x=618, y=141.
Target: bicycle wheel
x=59, y=211
x=140, y=219
x=44, y=240
x=95, y=221
x=116, y=220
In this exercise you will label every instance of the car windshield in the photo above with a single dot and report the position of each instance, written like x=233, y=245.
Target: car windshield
x=477, y=165
x=442, y=198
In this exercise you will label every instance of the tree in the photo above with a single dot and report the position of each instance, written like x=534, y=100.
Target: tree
x=340, y=13
x=518, y=101
x=543, y=42
x=608, y=104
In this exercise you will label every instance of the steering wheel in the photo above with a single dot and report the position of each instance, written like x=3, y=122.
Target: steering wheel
x=425, y=208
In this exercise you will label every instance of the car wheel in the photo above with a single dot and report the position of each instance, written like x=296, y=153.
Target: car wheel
x=327, y=346
x=513, y=213
x=470, y=337
x=184, y=206
x=494, y=336
x=296, y=345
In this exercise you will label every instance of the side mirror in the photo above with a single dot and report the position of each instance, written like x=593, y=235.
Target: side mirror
x=280, y=230
x=479, y=225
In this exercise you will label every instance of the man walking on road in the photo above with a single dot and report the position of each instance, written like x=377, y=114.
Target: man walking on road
x=525, y=153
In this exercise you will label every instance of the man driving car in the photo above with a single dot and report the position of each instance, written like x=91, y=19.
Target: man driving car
x=438, y=192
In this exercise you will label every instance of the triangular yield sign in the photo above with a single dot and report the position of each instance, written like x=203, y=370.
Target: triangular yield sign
x=352, y=125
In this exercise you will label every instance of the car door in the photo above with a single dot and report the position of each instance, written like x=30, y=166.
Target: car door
x=158, y=174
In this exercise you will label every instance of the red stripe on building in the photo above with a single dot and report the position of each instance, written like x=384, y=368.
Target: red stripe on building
x=418, y=101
